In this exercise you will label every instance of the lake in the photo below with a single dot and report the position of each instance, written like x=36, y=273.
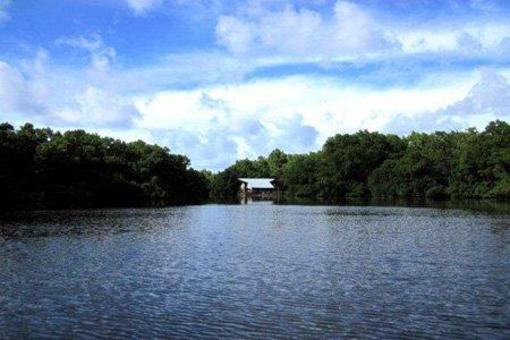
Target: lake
x=256, y=270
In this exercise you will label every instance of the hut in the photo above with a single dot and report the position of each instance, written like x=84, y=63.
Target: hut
x=261, y=188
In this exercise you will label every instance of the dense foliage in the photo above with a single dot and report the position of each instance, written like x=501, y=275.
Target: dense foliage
x=42, y=168
x=440, y=165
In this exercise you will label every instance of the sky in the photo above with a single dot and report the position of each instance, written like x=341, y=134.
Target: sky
x=222, y=80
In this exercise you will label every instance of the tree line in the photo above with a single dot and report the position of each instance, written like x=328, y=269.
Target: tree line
x=439, y=165
x=40, y=168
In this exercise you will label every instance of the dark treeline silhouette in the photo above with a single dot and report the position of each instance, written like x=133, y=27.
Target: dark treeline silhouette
x=40, y=168
x=439, y=165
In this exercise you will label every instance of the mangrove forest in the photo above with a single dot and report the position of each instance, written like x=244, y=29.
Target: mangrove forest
x=41, y=168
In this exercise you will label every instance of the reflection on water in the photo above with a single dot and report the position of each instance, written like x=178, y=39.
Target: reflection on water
x=256, y=200
x=246, y=271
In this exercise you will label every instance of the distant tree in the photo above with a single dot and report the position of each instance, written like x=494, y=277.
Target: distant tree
x=422, y=170
x=276, y=162
x=225, y=185
x=483, y=166
x=348, y=160
x=435, y=166
x=301, y=175
x=41, y=168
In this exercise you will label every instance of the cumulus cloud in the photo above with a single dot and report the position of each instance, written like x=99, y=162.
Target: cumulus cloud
x=85, y=97
x=24, y=89
x=304, y=33
x=96, y=107
x=215, y=151
x=96, y=101
x=222, y=144
x=13, y=89
x=487, y=100
x=491, y=95
x=284, y=74
x=215, y=125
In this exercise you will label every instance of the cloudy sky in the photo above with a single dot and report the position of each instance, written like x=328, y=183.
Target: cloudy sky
x=220, y=80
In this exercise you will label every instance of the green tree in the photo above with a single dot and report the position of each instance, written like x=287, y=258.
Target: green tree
x=301, y=175
x=348, y=160
x=483, y=167
x=276, y=162
x=41, y=168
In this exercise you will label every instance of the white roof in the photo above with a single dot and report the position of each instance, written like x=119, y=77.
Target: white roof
x=258, y=183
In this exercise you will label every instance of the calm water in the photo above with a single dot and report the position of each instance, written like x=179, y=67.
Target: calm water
x=256, y=270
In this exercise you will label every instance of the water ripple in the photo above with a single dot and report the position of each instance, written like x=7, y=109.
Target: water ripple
x=255, y=271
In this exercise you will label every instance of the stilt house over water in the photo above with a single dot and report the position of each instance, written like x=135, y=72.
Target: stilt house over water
x=258, y=188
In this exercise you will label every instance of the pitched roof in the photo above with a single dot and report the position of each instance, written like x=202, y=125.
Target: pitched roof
x=258, y=183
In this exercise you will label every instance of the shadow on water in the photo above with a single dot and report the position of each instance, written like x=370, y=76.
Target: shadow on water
x=486, y=206
x=21, y=224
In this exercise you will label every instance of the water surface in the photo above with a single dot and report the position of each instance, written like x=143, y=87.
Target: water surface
x=256, y=270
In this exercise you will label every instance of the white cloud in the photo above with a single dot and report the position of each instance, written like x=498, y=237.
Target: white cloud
x=216, y=125
x=12, y=88
x=83, y=97
x=22, y=92
x=303, y=33
x=292, y=32
x=491, y=95
x=236, y=35
x=101, y=55
x=221, y=116
x=96, y=107
x=143, y=6
x=487, y=100
x=471, y=39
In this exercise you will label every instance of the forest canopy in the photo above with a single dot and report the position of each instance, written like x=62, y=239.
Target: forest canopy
x=41, y=168
x=438, y=165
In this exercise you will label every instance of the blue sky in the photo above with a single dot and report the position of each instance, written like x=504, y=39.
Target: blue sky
x=221, y=80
